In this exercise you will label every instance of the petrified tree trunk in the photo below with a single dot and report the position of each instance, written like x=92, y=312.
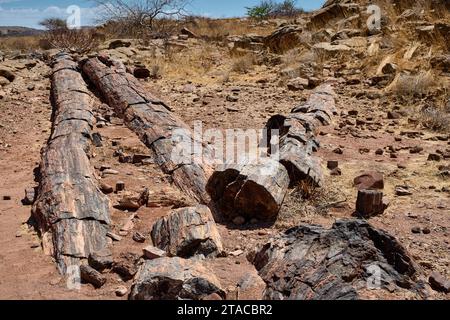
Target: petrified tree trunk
x=297, y=134
x=250, y=190
x=312, y=263
x=153, y=122
x=72, y=214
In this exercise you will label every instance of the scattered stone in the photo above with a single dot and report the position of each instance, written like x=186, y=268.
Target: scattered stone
x=140, y=158
x=152, y=253
x=121, y=291
x=426, y=230
x=434, y=157
x=126, y=266
x=97, y=139
x=92, y=276
x=30, y=197
x=312, y=263
x=379, y=152
x=110, y=172
x=336, y=172
x=232, y=98
x=439, y=283
x=106, y=188
x=415, y=150
x=297, y=84
x=120, y=186
x=135, y=201
x=114, y=236
x=250, y=285
x=185, y=31
x=416, y=230
x=332, y=164
x=236, y=253
x=188, y=232
x=6, y=198
x=371, y=180
x=141, y=72
x=338, y=151
x=402, y=191
x=174, y=279
x=101, y=260
x=119, y=44
x=139, y=237
x=370, y=203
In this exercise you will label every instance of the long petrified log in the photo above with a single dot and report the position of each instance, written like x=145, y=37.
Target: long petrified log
x=257, y=190
x=297, y=133
x=72, y=214
x=154, y=123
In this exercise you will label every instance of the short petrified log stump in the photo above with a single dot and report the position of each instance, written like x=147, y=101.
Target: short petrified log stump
x=187, y=232
x=174, y=279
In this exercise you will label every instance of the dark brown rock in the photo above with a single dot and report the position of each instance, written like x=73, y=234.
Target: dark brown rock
x=101, y=260
x=439, y=283
x=174, y=279
x=92, y=276
x=312, y=263
x=371, y=180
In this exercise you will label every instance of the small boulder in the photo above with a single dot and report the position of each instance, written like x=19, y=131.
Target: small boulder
x=439, y=283
x=174, y=279
x=92, y=276
x=119, y=44
x=371, y=180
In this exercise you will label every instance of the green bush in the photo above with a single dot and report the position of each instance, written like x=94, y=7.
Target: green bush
x=269, y=9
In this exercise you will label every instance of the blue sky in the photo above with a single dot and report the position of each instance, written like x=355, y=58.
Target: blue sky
x=28, y=13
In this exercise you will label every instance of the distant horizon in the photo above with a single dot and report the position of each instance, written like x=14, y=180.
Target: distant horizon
x=28, y=13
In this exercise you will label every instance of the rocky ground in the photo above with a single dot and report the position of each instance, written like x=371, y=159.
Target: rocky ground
x=397, y=136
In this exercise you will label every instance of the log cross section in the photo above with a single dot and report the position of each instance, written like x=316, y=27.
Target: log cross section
x=71, y=212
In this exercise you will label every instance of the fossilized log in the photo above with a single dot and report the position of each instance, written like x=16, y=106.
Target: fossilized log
x=152, y=121
x=312, y=263
x=250, y=190
x=72, y=213
x=297, y=133
x=187, y=232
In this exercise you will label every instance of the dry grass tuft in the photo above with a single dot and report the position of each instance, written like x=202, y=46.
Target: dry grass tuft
x=244, y=64
x=22, y=44
x=409, y=86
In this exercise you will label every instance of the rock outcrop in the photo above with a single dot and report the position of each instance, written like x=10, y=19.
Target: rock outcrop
x=313, y=263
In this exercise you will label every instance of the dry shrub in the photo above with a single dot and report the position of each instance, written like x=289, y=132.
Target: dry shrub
x=244, y=64
x=72, y=40
x=22, y=43
x=217, y=30
x=414, y=85
x=436, y=117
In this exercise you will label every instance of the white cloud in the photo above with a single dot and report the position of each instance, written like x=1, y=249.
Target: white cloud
x=29, y=17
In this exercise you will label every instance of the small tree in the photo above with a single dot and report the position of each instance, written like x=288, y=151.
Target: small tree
x=269, y=9
x=142, y=17
x=288, y=8
x=261, y=11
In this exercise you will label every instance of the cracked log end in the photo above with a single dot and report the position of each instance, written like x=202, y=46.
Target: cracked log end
x=249, y=190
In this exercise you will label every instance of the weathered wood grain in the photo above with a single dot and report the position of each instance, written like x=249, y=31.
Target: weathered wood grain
x=72, y=213
x=154, y=123
x=297, y=133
